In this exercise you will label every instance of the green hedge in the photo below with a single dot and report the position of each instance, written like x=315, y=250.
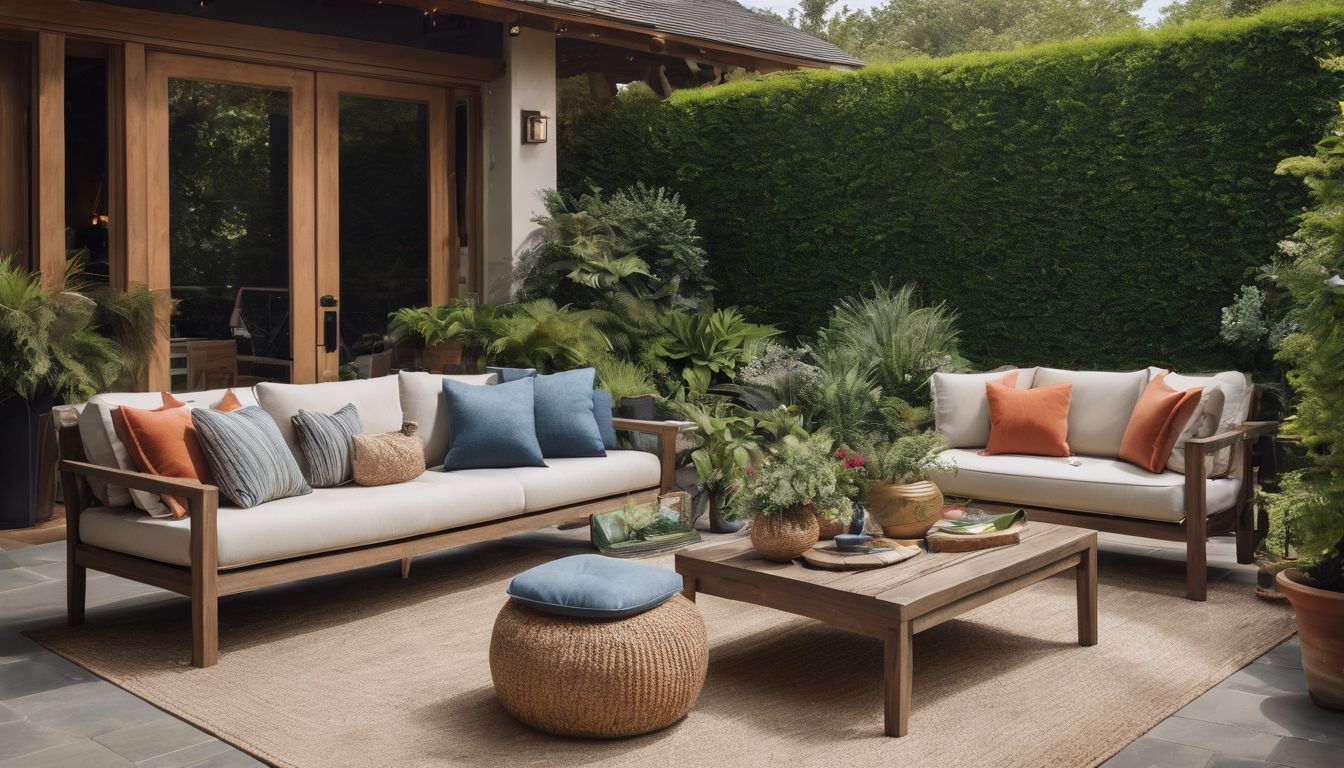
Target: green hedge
x=1086, y=204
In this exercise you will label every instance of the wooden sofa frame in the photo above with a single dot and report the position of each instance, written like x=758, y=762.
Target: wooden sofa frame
x=1197, y=526
x=204, y=581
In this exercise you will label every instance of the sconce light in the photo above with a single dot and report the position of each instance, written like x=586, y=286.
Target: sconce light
x=536, y=126
x=515, y=29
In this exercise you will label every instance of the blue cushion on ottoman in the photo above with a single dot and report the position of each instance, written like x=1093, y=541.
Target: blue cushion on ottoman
x=595, y=587
x=566, y=427
x=492, y=426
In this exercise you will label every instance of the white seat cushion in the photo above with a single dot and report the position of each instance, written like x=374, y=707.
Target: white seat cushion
x=961, y=407
x=1099, y=408
x=422, y=402
x=1098, y=485
x=571, y=481
x=325, y=520
x=377, y=400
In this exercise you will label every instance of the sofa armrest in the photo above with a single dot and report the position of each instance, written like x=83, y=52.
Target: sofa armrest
x=1238, y=434
x=202, y=506
x=667, y=432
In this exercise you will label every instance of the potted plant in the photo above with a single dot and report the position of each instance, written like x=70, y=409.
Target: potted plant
x=444, y=331
x=903, y=499
x=852, y=480
x=1311, y=500
x=61, y=346
x=785, y=497
x=723, y=447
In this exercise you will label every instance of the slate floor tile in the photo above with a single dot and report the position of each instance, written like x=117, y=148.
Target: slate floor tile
x=1285, y=715
x=7, y=560
x=1217, y=738
x=86, y=709
x=189, y=756
x=153, y=739
x=1300, y=753
x=1288, y=654
x=1266, y=679
x=37, y=673
x=1148, y=752
x=19, y=738
x=18, y=578
x=83, y=754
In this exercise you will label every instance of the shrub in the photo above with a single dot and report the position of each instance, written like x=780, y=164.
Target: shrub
x=1086, y=204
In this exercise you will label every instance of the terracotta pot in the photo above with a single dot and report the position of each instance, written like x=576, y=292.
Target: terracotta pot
x=783, y=537
x=905, y=511
x=442, y=358
x=829, y=529
x=1320, y=622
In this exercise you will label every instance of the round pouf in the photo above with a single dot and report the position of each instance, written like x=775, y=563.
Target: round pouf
x=602, y=679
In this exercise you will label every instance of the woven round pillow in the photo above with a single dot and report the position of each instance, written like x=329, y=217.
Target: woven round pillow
x=599, y=679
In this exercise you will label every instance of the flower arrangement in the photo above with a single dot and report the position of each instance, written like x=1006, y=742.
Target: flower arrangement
x=852, y=479
x=800, y=474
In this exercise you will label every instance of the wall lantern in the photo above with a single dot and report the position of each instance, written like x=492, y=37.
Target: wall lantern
x=535, y=127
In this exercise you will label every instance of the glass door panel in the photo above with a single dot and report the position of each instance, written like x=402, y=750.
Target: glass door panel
x=228, y=236
x=384, y=224
x=384, y=218
x=231, y=233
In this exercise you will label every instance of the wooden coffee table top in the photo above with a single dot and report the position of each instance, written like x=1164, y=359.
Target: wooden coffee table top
x=917, y=590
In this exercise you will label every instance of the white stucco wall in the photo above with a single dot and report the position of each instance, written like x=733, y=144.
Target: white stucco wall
x=516, y=172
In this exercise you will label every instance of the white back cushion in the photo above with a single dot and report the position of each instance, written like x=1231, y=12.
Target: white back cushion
x=1202, y=423
x=422, y=402
x=960, y=407
x=104, y=448
x=377, y=401
x=1100, y=408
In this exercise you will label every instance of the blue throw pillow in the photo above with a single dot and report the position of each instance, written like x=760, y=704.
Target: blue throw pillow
x=492, y=426
x=595, y=587
x=602, y=413
x=566, y=427
x=511, y=374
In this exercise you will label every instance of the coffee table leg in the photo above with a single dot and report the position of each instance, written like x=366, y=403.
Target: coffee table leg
x=688, y=587
x=1086, y=575
x=897, y=669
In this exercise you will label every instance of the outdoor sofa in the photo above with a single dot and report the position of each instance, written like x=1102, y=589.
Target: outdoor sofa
x=1206, y=487
x=220, y=550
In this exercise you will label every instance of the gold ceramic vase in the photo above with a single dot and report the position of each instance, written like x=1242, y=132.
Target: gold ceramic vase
x=785, y=536
x=905, y=511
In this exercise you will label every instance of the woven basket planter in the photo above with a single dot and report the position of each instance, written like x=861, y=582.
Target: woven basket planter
x=829, y=529
x=599, y=679
x=783, y=537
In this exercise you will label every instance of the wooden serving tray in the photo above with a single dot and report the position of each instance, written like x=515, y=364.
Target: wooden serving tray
x=952, y=542
x=824, y=555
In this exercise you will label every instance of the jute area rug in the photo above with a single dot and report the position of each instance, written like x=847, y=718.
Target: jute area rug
x=368, y=670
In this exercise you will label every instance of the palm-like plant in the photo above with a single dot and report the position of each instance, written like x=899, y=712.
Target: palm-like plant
x=723, y=446
x=539, y=334
x=906, y=342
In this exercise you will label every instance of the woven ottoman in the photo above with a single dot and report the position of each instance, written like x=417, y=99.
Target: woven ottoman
x=598, y=647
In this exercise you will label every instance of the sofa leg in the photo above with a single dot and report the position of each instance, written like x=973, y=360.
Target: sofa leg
x=75, y=581
x=204, y=631
x=1245, y=540
x=405, y=567
x=1196, y=570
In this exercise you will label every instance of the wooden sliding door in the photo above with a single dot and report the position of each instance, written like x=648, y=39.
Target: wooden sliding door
x=230, y=173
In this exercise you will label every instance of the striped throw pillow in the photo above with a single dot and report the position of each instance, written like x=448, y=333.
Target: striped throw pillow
x=325, y=441
x=248, y=456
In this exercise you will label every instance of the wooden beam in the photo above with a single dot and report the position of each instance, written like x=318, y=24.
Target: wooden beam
x=48, y=159
x=245, y=42
x=128, y=222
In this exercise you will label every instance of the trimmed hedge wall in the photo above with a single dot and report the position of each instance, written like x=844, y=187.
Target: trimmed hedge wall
x=1088, y=204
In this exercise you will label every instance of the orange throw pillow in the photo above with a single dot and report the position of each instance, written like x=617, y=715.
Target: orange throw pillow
x=1158, y=418
x=163, y=442
x=1028, y=421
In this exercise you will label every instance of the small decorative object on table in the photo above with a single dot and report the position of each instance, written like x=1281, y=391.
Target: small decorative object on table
x=637, y=530
x=977, y=529
x=852, y=481
x=787, y=496
x=875, y=553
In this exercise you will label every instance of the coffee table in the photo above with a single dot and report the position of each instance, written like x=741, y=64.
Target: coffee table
x=895, y=602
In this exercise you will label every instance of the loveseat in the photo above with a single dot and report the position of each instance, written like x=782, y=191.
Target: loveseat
x=1205, y=487
x=220, y=549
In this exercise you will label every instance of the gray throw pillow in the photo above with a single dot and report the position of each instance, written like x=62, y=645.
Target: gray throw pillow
x=324, y=439
x=248, y=456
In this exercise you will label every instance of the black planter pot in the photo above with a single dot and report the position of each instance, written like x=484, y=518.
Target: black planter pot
x=20, y=422
x=644, y=408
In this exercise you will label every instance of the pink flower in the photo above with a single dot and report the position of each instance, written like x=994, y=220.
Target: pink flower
x=748, y=470
x=841, y=453
x=858, y=460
